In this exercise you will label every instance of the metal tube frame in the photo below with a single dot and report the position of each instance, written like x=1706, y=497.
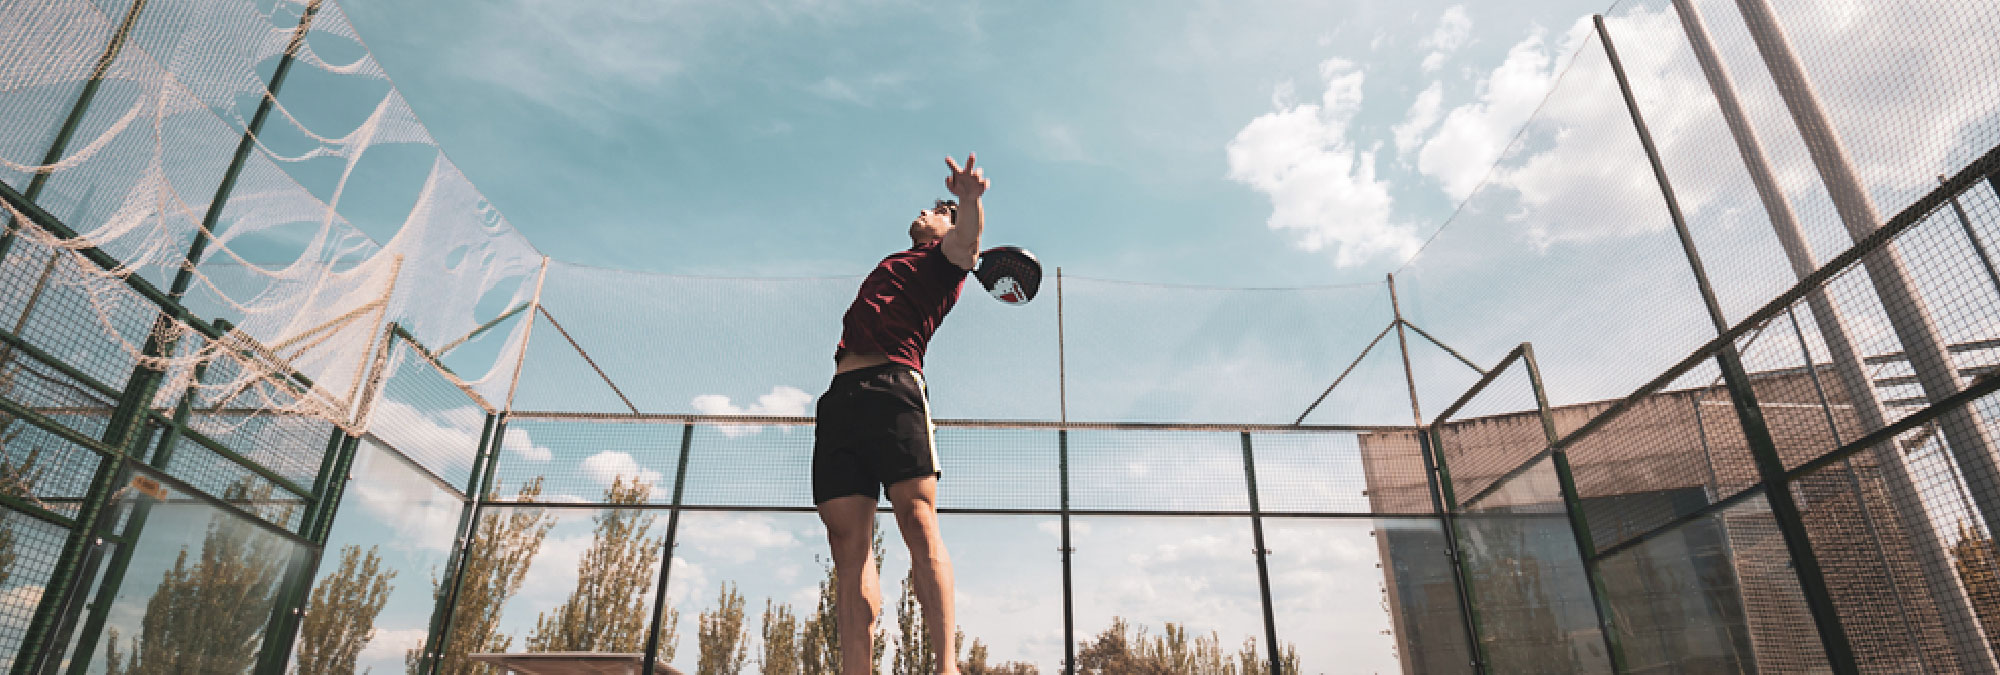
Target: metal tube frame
x=1263, y=566
x=1579, y=523
x=1439, y=479
x=667, y=554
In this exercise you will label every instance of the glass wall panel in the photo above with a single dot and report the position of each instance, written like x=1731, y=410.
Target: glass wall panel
x=1324, y=574
x=558, y=579
x=1164, y=584
x=1531, y=600
x=1715, y=595
x=372, y=600
x=767, y=562
x=199, y=587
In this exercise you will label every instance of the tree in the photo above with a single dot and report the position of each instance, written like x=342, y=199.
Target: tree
x=209, y=616
x=342, y=614
x=607, y=610
x=974, y=661
x=915, y=655
x=781, y=640
x=724, y=645
x=819, y=652
x=1973, y=556
x=1123, y=648
x=495, y=564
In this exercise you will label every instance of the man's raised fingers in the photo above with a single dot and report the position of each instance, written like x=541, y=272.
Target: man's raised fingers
x=948, y=161
x=970, y=157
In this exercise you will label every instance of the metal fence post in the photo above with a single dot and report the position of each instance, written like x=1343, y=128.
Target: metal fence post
x=468, y=524
x=1579, y=523
x=1069, y=599
x=1770, y=467
x=1442, y=499
x=667, y=553
x=1263, y=566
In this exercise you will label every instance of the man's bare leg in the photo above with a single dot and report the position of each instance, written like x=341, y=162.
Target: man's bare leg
x=850, y=529
x=915, y=500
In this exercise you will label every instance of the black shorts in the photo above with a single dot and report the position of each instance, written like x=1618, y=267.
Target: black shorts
x=873, y=429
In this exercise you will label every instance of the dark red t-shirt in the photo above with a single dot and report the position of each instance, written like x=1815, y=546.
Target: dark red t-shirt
x=900, y=305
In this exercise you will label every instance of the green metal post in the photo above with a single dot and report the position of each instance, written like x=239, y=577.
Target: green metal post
x=1579, y=524
x=482, y=482
x=1442, y=500
x=1263, y=566
x=244, y=146
x=667, y=554
x=1756, y=433
x=289, y=610
x=75, y=118
x=79, y=552
x=114, y=576
x=1069, y=596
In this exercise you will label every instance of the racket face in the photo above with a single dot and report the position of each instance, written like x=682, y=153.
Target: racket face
x=1010, y=274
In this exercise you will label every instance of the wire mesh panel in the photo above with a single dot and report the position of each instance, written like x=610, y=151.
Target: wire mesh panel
x=1666, y=454
x=1157, y=471
x=28, y=550
x=423, y=415
x=46, y=469
x=1495, y=433
x=582, y=462
x=750, y=466
x=1338, y=472
x=1531, y=600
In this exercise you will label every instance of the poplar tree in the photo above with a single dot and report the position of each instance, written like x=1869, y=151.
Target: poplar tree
x=819, y=652
x=724, y=645
x=342, y=614
x=781, y=640
x=209, y=615
x=607, y=610
x=495, y=564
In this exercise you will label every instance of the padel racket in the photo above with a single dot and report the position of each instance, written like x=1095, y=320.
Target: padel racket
x=1010, y=273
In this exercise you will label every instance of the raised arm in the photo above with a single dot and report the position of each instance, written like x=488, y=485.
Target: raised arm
x=961, y=243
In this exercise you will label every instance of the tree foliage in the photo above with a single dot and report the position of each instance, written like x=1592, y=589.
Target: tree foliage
x=342, y=614
x=495, y=564
x=1125, y=649
x=723, y=643
x=973, y=662
x=781, y=640
x=607, y=610
x=915, y=654
x=208, y=616
x=819, y=648
x=17, y=479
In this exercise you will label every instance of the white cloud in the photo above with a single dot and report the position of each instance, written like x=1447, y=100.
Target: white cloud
x=736, y=538
x=604, y=467
x=1422, y=116
x=391, y=645
x=783, y=401
x=524, y=447
x=1453, y=30
x=1473, y=135
x=1322, y=187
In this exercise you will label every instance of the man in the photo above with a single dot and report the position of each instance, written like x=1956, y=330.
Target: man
x=874, y=426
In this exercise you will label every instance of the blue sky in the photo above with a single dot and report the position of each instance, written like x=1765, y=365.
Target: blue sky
x=796, y=138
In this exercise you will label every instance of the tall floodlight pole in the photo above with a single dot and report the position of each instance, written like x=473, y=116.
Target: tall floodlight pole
x=1970, y=446
x=1973, y=652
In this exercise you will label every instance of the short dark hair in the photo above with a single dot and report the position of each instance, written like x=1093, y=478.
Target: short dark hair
x=949, y=206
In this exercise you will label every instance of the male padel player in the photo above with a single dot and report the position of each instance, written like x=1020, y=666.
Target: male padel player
x=874, y=423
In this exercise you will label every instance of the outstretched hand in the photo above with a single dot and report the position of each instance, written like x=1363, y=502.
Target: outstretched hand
x=968, y=183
